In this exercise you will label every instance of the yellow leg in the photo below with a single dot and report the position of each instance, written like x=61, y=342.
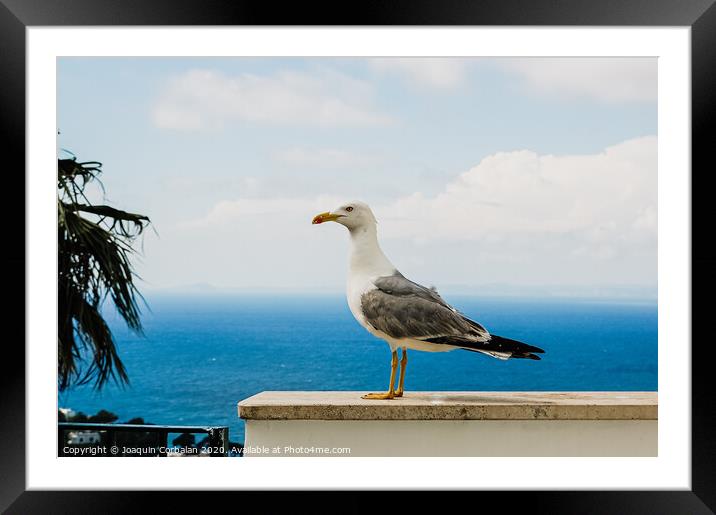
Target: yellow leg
x=403, y=365
x=391, y=389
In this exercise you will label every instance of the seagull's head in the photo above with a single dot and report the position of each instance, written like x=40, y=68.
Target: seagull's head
x=353, y=215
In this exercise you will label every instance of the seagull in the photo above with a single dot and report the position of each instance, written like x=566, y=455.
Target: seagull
x=402, y=312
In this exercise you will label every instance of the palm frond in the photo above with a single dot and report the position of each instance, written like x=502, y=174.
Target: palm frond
x=93, y=264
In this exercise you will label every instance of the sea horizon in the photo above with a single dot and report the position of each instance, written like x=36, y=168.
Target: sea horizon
x=611, y=293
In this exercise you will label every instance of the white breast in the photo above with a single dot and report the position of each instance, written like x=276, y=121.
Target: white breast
x=356, y=287
x=367, y=263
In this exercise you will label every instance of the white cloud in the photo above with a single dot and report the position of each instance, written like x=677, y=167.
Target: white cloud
x=604, y=198
x=608, y=79
x=437, y=72
x=516, y=218
x=205, y=98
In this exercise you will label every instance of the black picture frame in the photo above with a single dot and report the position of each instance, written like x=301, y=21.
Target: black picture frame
x=700, y=15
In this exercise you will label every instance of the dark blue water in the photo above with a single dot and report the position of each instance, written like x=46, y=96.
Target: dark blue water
x=202, y=354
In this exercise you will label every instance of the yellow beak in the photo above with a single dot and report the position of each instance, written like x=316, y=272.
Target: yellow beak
x=325, y=217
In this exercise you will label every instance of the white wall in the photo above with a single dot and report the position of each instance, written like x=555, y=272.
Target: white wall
x=452, y=437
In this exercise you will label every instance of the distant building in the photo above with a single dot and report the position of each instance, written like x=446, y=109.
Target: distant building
x=83, y=437
x=67, y=412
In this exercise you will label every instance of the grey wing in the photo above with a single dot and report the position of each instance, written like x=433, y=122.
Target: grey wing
x=403, y=309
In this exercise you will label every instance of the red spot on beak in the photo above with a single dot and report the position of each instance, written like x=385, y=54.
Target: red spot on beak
x=323, y=217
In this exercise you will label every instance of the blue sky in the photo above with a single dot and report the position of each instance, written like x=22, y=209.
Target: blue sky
x=520, y=174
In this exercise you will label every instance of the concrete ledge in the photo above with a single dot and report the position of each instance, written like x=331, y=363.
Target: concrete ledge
x=452, y=406
x=452, y=424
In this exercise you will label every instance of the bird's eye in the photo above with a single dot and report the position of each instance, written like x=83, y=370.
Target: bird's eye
x=349, y=209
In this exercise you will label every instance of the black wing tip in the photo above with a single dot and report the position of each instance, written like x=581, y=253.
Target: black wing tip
x=518, y=348
x=499, y=344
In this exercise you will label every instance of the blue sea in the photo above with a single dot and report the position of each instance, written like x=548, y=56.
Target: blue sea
x=202, y=354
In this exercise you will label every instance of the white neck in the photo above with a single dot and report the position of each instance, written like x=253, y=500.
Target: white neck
x=366, y=256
